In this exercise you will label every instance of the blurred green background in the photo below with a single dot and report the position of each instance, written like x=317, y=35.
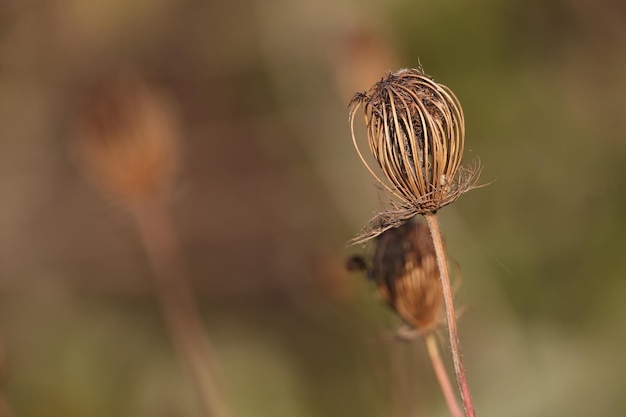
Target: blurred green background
x=271, y=189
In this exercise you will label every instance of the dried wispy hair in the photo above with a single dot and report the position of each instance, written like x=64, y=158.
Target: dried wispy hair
x=403, y=268
x=128, y=137
x=416, y=132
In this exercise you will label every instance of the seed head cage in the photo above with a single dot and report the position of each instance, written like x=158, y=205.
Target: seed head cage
x=416, y=133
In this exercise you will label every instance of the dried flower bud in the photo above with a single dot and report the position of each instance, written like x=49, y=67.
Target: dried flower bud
x=128, y=135
x=403, y=268
x=416, y=132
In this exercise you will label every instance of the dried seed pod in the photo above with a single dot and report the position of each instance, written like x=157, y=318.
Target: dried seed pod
x=416, y=133
x=128, y=137
x=403, y=268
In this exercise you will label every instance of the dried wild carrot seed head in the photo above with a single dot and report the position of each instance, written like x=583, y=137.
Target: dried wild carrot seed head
x=416, y=133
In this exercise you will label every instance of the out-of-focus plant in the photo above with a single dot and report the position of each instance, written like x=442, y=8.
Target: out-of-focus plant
x=129, y=138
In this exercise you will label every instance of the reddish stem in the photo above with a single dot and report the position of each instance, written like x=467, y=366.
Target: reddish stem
x=442, y=376
x=455, y=347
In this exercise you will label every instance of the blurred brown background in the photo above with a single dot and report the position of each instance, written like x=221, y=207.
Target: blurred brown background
x=270, y=189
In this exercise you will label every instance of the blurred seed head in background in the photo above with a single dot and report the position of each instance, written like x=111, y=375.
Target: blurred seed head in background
x=128, y=135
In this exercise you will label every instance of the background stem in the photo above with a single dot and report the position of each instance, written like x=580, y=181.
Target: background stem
x=455, y=347
x=5, y=408
x=442, y=376
x=178, y=305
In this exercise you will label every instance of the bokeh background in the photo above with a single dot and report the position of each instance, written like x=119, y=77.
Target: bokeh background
x=270, y=190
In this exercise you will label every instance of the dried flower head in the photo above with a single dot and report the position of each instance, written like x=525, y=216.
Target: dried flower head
x=403, y=268
x=128, y=137
x=416, y=132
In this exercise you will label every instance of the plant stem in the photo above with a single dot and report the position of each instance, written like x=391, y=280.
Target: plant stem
x=442, y=376
x=455, y=347
x=178, y=305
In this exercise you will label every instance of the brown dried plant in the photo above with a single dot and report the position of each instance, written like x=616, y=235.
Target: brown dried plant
x=129, y=137
x=403, y=268
x=416, y=132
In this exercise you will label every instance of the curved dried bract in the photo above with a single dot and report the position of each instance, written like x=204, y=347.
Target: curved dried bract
x=416, y=133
